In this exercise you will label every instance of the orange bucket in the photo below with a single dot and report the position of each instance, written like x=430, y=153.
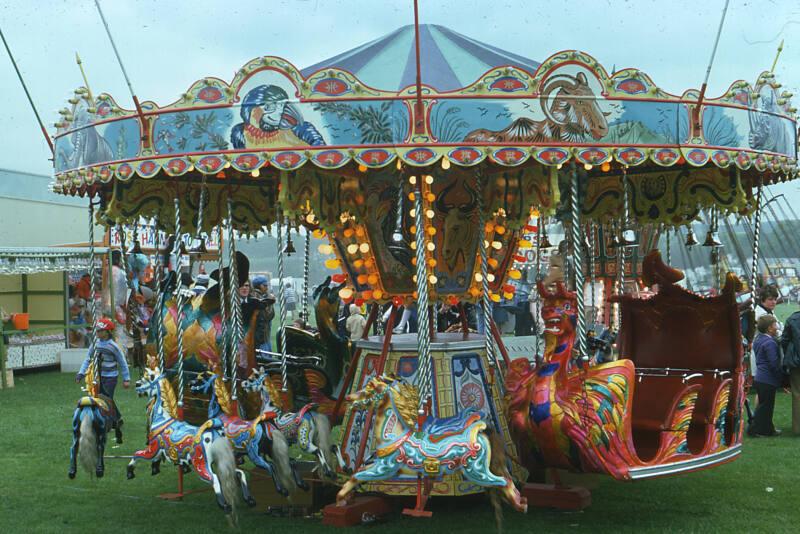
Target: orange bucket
x=20, y=321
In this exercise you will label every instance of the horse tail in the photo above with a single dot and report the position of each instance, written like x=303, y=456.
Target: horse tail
x=87, y=447
x=498, y=467
x=224, y=463
x=323, y=425
x=280, y=457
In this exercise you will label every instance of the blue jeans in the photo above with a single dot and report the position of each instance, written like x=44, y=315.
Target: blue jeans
x=107, y=386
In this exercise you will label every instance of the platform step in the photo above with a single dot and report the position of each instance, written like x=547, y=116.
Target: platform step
x=560, y=497
x=363, y=509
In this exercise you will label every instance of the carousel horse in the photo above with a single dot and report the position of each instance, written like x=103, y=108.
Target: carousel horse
x=316, y=383
x=203, y=338
x=307, y=428
x=574, y=418
x=258, y=439
x=442, y=446
x=94, y=416
x=202, y=448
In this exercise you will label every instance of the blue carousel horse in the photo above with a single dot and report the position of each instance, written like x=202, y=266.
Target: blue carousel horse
x=443, y=446
x=94, y=416
x=187, y=445
x=258, y=439
x=309, y=429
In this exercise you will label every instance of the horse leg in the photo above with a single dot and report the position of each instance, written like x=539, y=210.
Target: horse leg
x=381, y=469
x=147, y=454
x=344, y=496
x=118, y=431
x=73, y=451
x=100, y=434
x=340, y=459
x=302, y=484
x=477, y=470
x=246, y=495
x=267, y=466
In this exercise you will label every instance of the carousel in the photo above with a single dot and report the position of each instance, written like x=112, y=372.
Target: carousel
x=429, y=177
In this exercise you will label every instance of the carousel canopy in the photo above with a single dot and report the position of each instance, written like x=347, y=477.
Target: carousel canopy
x=340, y=146
x=450, y=60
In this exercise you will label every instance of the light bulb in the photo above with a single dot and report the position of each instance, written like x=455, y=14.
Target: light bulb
x=432, y=279
x=364, y=248
x=445, y=163
x=429, y=214
x=255, y=174
x=490, y=277
x=412, y=180
x=431, y=246
x=478, y=277
x=352, y=248
x=429, y=179
x=587, y=166
x=345, y=293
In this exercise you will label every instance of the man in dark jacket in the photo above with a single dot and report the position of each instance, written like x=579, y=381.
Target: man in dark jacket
x=790, y=341
x=769, y=376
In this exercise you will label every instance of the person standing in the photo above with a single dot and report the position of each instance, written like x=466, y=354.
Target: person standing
x=290, y=298
x=356, y=323
x=790, y=341
x=768, y=378
x=264, y=323
x=768, y=299
x=111, y=359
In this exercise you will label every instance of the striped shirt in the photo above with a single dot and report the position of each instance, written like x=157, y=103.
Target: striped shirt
x=111, y=360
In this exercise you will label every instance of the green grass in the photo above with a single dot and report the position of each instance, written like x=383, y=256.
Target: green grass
x=784, y=310
x=36, y=496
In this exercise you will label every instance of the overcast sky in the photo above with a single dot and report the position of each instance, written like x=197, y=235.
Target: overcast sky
x=168, y=44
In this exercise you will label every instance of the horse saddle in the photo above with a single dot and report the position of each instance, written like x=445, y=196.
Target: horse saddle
x=439, y=429
x=438, y=437
x=101, y=402
x=288, y=422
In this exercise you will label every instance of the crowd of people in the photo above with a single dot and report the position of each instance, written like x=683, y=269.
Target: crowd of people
x=774, y=364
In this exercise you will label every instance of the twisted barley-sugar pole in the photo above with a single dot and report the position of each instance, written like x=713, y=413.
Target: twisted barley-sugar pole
x=306, y=257
x=180, y=301
x=235, y=303
x=577, y=255
x=159, y=315
x=423, y=330
x=223, y=308
x=92, y=287
x=756, y=237
x=486, y=304
x=281, y=300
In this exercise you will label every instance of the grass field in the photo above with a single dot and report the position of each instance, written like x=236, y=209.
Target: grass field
x=757, y=493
